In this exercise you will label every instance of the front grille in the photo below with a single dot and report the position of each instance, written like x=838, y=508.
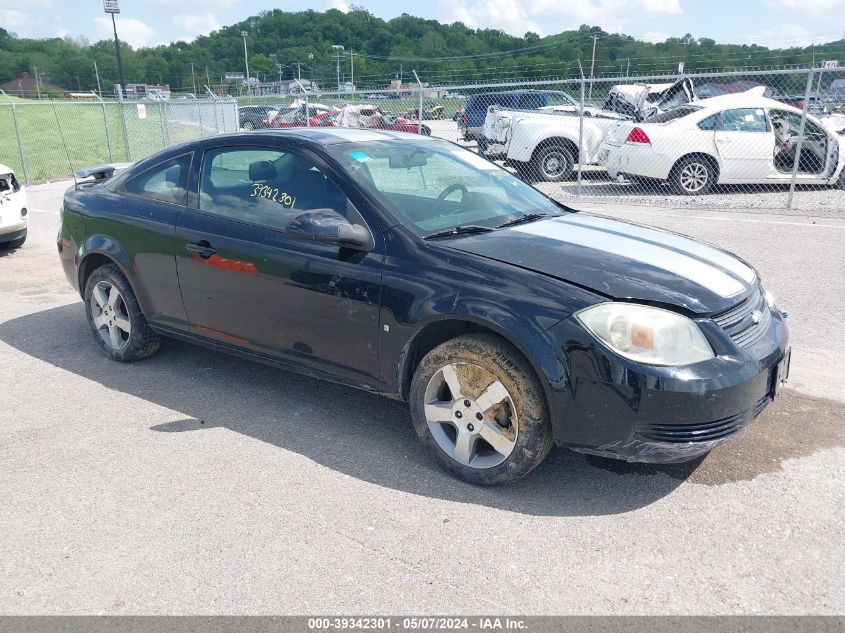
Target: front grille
x=697, y=432
x=739, y=322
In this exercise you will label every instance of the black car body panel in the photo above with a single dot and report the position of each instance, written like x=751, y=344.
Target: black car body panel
x=365, y=318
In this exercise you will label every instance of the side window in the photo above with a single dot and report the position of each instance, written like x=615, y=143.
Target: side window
x=743, y=120
x=166, y=182
x=559, y=99
x=531, y=101
x=264, y=186
x=709, y=123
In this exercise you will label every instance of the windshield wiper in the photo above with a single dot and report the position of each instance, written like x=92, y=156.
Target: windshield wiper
x=528, y=217
x=458, y=230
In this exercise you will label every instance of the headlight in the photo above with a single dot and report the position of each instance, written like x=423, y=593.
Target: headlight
x=645, y=334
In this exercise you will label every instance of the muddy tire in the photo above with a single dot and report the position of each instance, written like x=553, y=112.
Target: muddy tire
x=479, y=407
x=115, y=317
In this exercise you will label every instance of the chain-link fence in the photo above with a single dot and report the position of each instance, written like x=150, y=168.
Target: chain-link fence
x=765, y=139
x=48, y=140
x=770, y=139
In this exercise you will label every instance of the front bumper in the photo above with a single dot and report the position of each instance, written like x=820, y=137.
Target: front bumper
x=619, y=408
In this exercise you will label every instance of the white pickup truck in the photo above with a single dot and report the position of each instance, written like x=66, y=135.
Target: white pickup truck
x=544, y=144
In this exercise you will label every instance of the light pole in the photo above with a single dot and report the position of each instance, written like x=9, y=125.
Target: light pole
x=246, y=60
x=592, y=66
x=338, y=48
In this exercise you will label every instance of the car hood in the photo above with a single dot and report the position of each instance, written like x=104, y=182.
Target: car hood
x=621, y=260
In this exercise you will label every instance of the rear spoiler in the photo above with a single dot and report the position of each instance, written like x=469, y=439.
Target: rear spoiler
x=101, y=172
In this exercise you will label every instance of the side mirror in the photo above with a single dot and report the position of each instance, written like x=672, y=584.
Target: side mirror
x=326, y=225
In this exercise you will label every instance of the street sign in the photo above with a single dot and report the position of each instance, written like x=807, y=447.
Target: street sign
x=830, y=63
x=111, y=6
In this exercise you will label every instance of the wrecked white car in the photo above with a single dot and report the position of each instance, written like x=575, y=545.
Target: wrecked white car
x=544, y=144
x=14, y=212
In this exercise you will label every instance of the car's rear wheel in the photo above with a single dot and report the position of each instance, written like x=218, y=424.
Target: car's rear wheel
x=553, y=163
x=13, y=244
x=248, y=125
x=479, y=407
x=840, y=184
x=115, y=317
x=693, y=176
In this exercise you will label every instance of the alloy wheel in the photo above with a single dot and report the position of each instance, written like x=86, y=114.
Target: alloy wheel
x=553, y=164
x=694, y=177
x=111, y=318
x=471, y=415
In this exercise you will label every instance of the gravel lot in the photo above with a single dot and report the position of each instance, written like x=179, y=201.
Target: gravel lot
x=199, y=483
x=596, y=187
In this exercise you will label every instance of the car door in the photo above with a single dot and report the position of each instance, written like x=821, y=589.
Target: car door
x=244, y=282
x=745, y=144
x=143, y=209
x=819, y=149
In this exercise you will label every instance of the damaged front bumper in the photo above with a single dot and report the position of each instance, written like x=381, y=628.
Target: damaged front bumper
x=620, y=409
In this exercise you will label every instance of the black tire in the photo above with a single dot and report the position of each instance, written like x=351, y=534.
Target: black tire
x=14, y=244
x=248, y=125
x=426, y=131
x=532, y=440
x=840, y=184
x=693, y=176
x=553, y=163
x=141, y=341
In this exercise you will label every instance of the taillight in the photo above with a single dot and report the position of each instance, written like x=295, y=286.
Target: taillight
x=638, y=136
x=800, y=105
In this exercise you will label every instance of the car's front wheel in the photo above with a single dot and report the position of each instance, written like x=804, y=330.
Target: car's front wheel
x=479, y=407
x=115, y=317
x=248, y=125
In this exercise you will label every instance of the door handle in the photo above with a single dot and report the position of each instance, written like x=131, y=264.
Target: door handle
x=202, y=248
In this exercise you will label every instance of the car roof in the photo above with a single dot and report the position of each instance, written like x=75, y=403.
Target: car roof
x=749, y=99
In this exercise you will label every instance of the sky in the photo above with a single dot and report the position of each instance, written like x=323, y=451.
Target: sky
x=771, y=23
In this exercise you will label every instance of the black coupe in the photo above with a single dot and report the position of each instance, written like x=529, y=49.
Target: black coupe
x=411, y=267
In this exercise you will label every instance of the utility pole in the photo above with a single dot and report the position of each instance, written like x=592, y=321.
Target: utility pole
x=37, y=83
x=298, y=70
x=352, y=67
x=592, y=67
x=207, y=76
x=337, y=48
x=246, y=60
x=119, y=60
x=193, y=79
x=628, y=70
x=97, y=75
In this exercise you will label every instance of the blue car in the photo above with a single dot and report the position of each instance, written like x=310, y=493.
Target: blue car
x=477, y=104
x=410, y=267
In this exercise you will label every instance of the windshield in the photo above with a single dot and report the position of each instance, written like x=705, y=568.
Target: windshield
x=434, y=186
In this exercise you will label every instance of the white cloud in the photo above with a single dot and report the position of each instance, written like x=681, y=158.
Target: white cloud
x=132, y=31
x=340, y=5
x=786, y=35
x=195, y=24
x=518, y=16
x=655, y=37
x=13, y=20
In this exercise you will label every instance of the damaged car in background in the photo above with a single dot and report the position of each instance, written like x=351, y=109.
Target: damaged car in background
x=410, y=267
x=14, y=212
x=742, y=138
x=542, y=144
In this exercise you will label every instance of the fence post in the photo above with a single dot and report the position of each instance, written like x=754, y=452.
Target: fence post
x=18, y=137
x=199, y=116
x=420, y=107
x=161, y=122
x=105, y=126
x=580, y=131
x=121, y=104
x=307, y=111
x=797, y=160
